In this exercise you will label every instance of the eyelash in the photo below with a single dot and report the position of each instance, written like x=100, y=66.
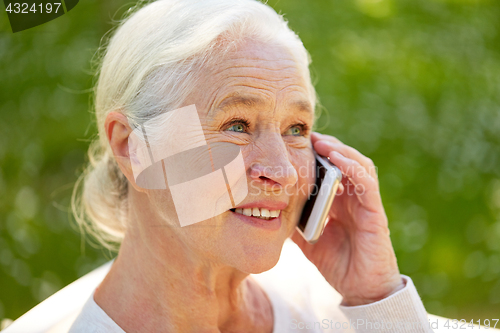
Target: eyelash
x=303, y=127
x=246, y=124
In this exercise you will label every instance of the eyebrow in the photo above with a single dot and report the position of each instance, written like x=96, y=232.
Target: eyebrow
x=238, y=100
x=250, y=101
x=303, y=105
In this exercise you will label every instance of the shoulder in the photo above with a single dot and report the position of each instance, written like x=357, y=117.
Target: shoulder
x=93, y=319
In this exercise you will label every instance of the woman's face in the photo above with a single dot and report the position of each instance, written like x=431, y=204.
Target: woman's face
x=256, y=98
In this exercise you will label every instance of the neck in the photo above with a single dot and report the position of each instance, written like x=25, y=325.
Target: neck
x=157, y=283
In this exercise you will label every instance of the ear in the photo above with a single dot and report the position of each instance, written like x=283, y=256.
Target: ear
x=117, y=132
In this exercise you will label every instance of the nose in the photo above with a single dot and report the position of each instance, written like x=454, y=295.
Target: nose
x=271, y=164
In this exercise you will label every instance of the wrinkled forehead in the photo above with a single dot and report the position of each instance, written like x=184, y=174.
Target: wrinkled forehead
x=253, y=74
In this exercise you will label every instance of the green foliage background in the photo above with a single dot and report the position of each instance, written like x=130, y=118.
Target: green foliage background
x=413, y=84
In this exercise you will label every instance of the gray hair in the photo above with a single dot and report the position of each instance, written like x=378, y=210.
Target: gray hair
x=150, y=66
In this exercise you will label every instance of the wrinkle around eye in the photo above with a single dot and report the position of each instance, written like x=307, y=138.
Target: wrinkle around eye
x=237, y=138
x=298, y=142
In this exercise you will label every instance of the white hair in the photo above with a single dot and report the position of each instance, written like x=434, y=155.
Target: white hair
x=150, y=66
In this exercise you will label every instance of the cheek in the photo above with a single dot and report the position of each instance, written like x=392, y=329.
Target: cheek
x=162, y=207
x=306, y=179
x=304, y=164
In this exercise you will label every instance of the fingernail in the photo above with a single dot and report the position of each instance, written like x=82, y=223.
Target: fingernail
x=337, y=154
x=331, y=144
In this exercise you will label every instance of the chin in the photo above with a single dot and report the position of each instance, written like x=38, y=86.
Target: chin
x=258, y=256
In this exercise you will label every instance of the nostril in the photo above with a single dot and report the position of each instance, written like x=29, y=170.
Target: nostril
x=267, y=180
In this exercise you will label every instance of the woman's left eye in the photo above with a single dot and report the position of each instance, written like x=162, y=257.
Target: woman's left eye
x=296, y=130
x=236, y=128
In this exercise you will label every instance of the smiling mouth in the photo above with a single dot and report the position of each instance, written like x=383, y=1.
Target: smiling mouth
x=262, y=213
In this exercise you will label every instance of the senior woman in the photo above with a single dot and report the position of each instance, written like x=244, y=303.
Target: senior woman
x=245, y=73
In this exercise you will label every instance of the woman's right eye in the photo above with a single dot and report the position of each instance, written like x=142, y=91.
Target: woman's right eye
x=237, y=125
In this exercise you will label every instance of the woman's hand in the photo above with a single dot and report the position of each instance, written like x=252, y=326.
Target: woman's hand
x=355, y=253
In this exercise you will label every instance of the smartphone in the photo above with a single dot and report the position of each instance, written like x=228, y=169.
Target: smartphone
x=315, y=213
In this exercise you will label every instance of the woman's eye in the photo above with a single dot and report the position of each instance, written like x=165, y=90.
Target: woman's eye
x=236, y=128
x=295, y=131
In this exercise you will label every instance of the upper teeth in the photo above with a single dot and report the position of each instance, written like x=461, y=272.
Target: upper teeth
x=263, y=213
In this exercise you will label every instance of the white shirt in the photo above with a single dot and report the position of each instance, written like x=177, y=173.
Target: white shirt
x=303, y=301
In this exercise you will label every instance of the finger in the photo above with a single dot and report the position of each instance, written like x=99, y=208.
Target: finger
x=340, y=189
x=365, y=186
x=325, y=147
x=351, y=168
x=315, y=136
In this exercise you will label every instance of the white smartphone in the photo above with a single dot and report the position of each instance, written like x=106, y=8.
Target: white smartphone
x=315, y=213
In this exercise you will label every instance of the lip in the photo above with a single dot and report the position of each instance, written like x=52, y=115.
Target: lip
x=269, y=204
x=271, y=225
